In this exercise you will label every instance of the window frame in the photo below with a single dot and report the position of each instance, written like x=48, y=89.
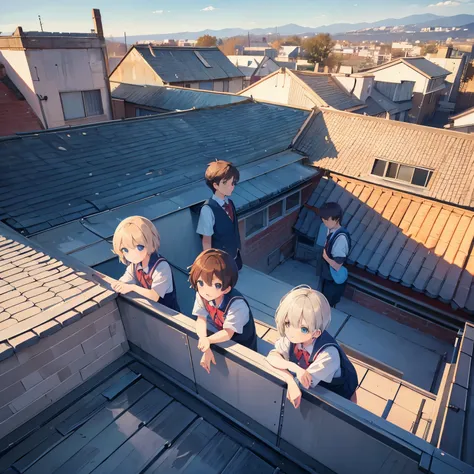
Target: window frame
x=265, y=223
x=83, y=104
x=389, y=163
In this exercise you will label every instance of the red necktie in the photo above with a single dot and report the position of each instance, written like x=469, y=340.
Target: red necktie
x=228, y=209
x=302, y=353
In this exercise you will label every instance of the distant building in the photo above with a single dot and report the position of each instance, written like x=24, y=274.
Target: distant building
x=254, y=67
x=63, y=76
x=196, y=68
x=429, y=84
x=187, y=42
x=289, y=53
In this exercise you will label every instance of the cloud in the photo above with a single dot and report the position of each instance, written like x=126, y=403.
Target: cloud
x=210, y=8
x=448, y=3
x=159, y=12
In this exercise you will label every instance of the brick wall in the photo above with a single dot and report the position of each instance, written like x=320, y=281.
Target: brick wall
x=279, y=235
x=39, y=375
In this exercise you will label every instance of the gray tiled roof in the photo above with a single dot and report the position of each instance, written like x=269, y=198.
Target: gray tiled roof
x=348, y=144
x=421, y=64
x=326, y=87
x=39, y=294
x=179, y=64
x=422, y=244
x=60, y=176
x=171, y=98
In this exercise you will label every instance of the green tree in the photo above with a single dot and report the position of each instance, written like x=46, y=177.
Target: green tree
x=293, y=40
x=206, y=41
x=429, y=48
x=318, y=48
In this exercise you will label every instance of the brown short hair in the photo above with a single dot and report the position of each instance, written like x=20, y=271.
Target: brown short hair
x=220, y=170
x=214, y=263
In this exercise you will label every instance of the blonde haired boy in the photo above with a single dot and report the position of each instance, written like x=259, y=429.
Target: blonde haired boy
x=306, y=349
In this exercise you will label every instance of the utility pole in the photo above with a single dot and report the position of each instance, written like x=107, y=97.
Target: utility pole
x=125, y=37
x=41, y=24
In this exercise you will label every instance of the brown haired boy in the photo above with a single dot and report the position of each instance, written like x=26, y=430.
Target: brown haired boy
x=214, y=275
x=218, y=223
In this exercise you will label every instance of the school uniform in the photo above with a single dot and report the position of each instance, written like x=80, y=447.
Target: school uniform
x=233, y=313
x=326, y=362
x=218, y=219
x=337, y=247
x=156, y=276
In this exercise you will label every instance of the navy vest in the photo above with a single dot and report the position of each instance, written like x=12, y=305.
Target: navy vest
x=346, y=384
x=330, y=240
x=145, y=280
x=248, y=338
x=226, y=234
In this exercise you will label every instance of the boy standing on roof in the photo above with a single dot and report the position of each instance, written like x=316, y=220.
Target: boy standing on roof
x=136, y=242
x=214, y=275
x=306, y=349
x=336, y=250
x=218, y=224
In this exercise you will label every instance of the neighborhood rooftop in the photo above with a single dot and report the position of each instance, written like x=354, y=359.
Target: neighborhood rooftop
x=171, y=98
x=72, y=173
x=349, y=144
x=178, y=64
x=420, y=64
x=422, y=244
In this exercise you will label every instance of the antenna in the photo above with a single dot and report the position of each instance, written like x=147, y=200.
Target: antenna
x=41, y=24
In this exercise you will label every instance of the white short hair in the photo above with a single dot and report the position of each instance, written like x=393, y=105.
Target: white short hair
x=303, y=303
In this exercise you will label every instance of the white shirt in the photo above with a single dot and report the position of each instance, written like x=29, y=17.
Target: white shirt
x=236, y=318
x=162, y=279
x=206, y=217
x=325, y=367
x=340, y=247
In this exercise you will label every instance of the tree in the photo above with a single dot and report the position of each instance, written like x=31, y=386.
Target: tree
x=293, y=40
x=430, y=48
x=318, y=48
x=206, y=41
x=229, y=45
x=276, y=45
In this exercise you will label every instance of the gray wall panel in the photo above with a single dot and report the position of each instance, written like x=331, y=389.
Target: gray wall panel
x=163, y=342
x=254, y=395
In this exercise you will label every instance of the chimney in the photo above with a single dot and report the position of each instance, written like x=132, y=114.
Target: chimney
x=96, y=18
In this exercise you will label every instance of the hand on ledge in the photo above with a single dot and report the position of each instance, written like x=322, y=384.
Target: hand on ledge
x=304, y=377
x=293, y=394
x=204, y=344
x=206, y=360
x=122, y=288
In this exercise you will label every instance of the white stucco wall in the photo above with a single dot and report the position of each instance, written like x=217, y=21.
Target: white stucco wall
x=18, y=70
x=67, y=70
x=135, y=70
x=271, y=89
x=467, y=119
x=401, y=72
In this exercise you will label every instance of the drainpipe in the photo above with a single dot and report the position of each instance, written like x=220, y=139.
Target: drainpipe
x=42, y=98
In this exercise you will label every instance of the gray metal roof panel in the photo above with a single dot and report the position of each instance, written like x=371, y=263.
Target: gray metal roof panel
x=373, y=108
x=171, y=98
x=183, y=65
x=426, y=66
x=80, y=171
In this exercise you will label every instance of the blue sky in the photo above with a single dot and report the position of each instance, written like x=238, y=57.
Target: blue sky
x=166, y=16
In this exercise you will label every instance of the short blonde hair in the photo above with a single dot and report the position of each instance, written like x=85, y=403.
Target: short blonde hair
x=133, y=231
x=305, y=303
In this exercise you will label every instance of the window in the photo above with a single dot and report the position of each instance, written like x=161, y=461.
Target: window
x=292, y=201
x=397, y=171
x=188, y=86
x=275, y=211
x=255, y=222
x=81, y=104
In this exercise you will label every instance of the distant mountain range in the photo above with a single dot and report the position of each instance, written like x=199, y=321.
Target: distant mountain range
x=418, y=21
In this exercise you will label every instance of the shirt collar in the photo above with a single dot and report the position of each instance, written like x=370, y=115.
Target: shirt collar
x=220, y=201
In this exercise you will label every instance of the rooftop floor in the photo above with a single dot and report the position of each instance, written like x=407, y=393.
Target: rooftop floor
x=135, y=421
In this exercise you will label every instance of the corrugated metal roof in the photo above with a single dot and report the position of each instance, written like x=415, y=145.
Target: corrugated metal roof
x=422, y=244
x=60, y=176
x=171, y=98
x=180, y=64
x=325, y=86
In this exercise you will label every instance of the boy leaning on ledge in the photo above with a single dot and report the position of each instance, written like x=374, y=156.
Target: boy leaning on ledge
x=307, y=350
x=214, y=275
x=218, y=224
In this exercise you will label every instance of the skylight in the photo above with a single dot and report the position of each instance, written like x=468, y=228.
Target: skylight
x=199, y=56
x=402, y=172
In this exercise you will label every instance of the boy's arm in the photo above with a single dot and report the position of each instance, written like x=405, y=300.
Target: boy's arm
x=276, y=360
x=201, y=327
x=206, y=242
x=205, y=226
x=340, y=251
x=221, y=336
x=150, y=294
